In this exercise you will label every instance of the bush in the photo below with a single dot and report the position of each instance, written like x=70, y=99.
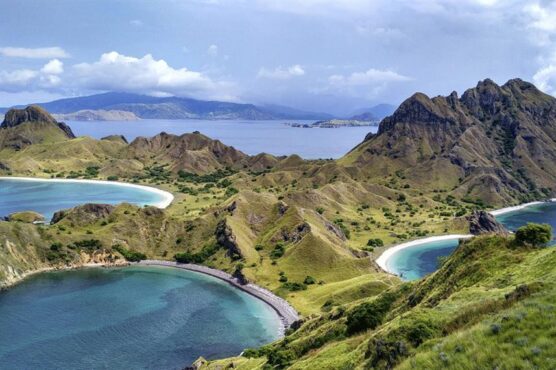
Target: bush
x=369, y=315
x=88, y=244
x=294, y=287
x=533, y=234
x=112, y=178
x=309, y=280
x=375, y=242
x=278, y=251
x=129, y=255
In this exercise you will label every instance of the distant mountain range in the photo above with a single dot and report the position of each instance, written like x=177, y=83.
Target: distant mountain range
x=145, y=107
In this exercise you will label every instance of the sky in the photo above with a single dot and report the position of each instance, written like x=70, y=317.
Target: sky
x=322, y=55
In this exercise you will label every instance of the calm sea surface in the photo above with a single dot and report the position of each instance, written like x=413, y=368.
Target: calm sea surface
x=127, y=318
x=47, y=197
x=251, y=137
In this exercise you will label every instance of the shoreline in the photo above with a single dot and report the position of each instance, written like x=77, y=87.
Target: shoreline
x=30, y=273
x=164, y=203
x=501, y=211
x=287, y=314
x=386, y=256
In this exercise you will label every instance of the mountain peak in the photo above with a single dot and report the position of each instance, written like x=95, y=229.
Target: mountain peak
x=33, y=113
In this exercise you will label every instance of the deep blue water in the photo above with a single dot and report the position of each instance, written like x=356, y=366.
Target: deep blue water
x=420, y=260
x=127, y=318
x=47, y=197
x=251, y=137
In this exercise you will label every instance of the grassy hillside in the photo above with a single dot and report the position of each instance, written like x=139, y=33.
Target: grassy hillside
x=490, y=305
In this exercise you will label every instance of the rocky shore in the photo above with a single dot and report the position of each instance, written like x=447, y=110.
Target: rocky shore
x=287, y=313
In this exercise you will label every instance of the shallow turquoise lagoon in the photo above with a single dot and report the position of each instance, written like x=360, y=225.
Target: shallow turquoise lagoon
x=127, y=318
x=420, y=260
x=47, y=197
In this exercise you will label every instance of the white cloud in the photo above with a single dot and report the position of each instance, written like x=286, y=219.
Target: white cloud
x=281, y=73
x=541, y=18
x=54, y=67
x=16, y=80
x=212, y=50
x=31, y=80
x=136, y=22
x=36, y=53
x=369, y=77
x=117, y=72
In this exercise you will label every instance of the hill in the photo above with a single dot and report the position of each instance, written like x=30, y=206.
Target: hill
x=16, y=132
x=144, y=106
x=495, y=143
x=377, y=112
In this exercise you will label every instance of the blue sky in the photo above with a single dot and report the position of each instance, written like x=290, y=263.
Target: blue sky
x=333, y=56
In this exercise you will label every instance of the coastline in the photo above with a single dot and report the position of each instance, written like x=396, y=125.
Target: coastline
x=385, y=257
x=288, y=315
x=502, y=211
x=30, y=273
x=164, y=203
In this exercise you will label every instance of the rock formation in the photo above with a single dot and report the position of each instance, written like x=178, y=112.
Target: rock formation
x=481, y=222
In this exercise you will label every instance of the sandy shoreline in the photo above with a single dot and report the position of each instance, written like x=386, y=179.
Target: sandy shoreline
x=385, y=257
x=288, y=315
x=165, y=202
x=501, y=211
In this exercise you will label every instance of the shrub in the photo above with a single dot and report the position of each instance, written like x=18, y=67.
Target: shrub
x=129, y=255
x=309, y=280
x=533, y=234
x=370, y=314
x=278, y=251
x=294, y=287
x=88, y=244
x=375, y=242
x=112, y=178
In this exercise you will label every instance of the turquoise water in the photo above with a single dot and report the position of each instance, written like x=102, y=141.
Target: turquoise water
x=127, y=318
x=251, y=137
x=47, y=197
x=415, y=262
x=420, y=260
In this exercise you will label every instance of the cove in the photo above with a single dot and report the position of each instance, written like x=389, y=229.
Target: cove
x=47, y=196
x=136, y=317
x=421, y=257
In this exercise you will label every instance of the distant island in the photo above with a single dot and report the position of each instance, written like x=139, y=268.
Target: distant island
x=334, y=123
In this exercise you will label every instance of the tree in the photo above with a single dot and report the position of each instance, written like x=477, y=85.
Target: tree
x=533, y=234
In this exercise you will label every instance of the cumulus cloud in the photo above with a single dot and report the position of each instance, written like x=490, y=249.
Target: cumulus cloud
x=371, y=76
x=281, y=73
x=34, y=53
x=117, y=72
x=30, y=80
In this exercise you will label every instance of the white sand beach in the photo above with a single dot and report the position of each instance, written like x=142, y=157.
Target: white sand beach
x=167, y=197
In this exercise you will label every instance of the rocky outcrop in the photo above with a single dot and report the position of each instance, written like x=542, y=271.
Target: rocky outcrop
x=84, y=214
x=226, y=239
x=295, y=235
x=481, y=222
x=33, y=113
